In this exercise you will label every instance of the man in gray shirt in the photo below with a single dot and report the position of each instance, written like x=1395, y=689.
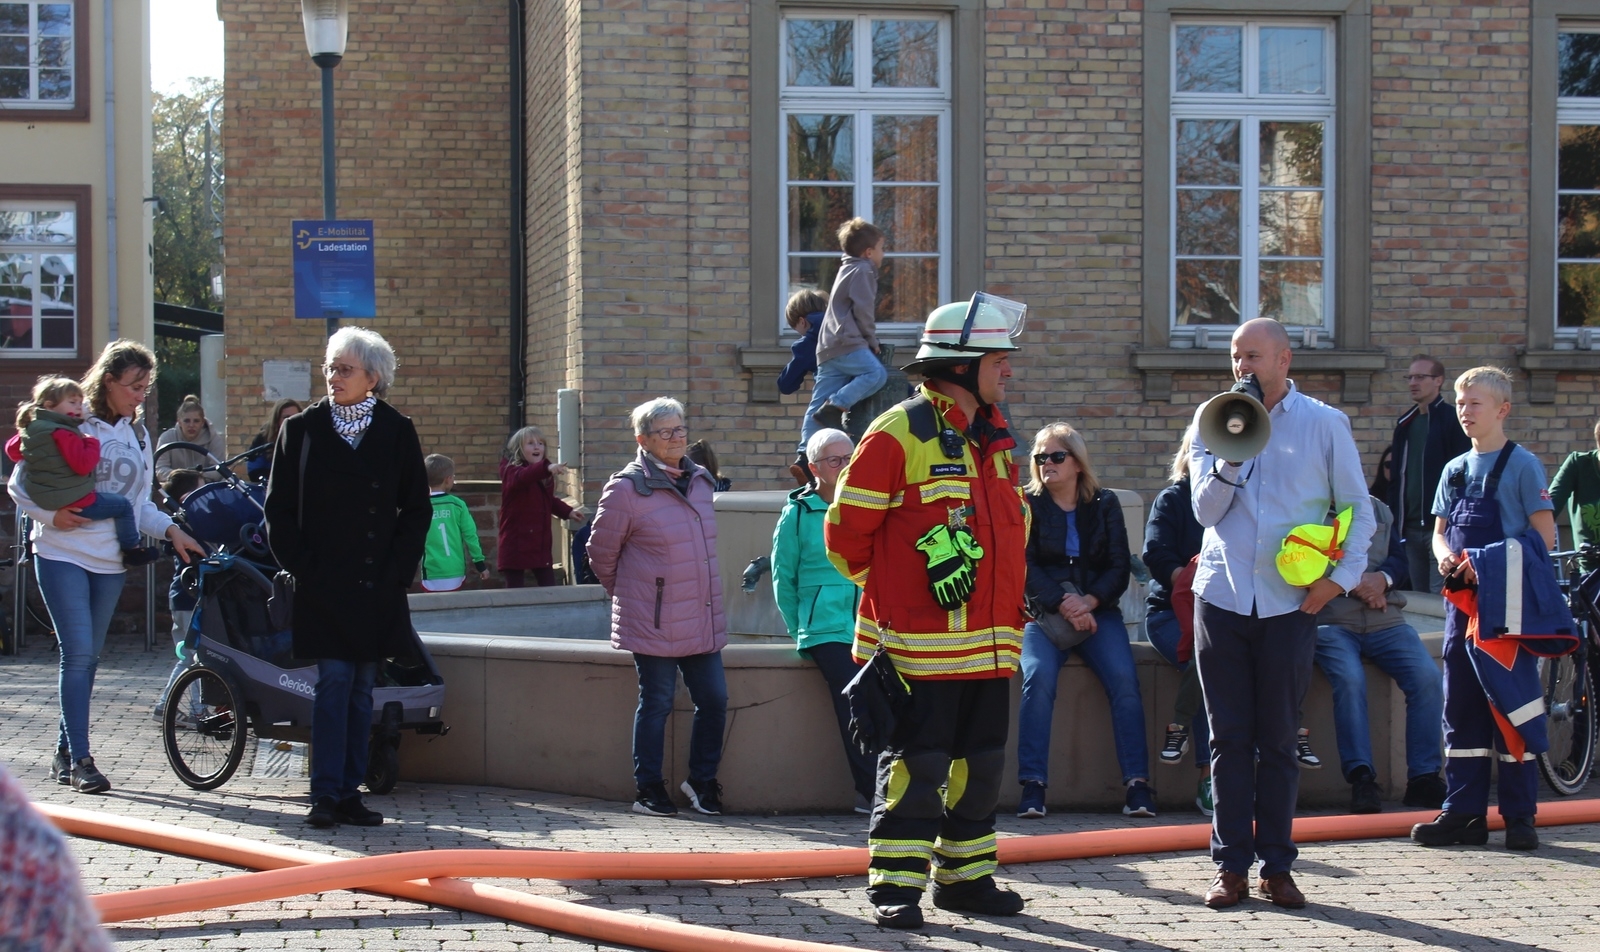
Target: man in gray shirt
x=1255, y=634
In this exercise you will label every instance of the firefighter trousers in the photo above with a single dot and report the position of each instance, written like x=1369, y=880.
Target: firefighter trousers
x=1472, y=742
x=937, y=785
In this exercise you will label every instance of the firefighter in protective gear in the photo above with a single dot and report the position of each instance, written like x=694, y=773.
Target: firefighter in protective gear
x=930, y=520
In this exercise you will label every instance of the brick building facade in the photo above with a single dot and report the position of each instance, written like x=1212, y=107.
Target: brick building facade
x=658, y=153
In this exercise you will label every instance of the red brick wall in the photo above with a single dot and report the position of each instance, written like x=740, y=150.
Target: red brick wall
x=423, y=112
x=639, y=219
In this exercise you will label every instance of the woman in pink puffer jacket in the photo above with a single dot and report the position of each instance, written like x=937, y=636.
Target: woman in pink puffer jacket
x=653, y=546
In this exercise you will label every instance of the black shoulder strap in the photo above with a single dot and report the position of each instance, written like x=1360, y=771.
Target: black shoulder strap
x=922, y=420
x=1493, y=482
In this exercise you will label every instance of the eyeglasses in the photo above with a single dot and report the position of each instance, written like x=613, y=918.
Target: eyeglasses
x=1058, y=457
x=339, y=370
x=670, y=432
x=832, y=461
x=1413, y=378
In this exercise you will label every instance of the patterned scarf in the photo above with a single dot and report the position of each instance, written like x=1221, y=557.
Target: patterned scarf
x=672, y=472
x=352, y=421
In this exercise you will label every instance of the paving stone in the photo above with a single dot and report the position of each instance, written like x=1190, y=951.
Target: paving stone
x=1370, y=895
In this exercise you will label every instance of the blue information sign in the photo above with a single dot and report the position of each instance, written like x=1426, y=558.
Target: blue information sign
x=334, y=275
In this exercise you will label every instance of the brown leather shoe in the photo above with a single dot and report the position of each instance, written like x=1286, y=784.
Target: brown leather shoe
x=1226, y=890
x=1280, y=890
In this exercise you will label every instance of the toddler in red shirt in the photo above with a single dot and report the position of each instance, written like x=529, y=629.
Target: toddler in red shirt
x=61, y=462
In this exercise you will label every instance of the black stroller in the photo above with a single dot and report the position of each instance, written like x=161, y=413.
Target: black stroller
x=243, y=676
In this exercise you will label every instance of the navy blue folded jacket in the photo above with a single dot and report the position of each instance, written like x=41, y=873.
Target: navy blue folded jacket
x=1516, y=615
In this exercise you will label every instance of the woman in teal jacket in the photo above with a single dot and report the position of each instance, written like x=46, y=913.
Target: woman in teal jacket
x=819, y=604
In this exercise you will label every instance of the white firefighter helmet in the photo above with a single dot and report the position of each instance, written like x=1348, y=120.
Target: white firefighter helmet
x=968, y=330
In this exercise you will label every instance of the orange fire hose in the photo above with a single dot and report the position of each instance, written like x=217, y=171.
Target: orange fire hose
x=423, y=875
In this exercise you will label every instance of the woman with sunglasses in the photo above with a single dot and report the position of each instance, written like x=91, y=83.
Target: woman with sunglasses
x=817, y=603
x=1078, y=567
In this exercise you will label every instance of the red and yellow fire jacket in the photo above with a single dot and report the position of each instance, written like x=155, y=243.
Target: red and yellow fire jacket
x=900, y=483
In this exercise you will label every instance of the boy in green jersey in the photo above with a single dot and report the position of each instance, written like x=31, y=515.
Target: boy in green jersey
x=453, y=536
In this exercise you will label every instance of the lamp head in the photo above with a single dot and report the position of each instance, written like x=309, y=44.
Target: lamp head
x=327, y=24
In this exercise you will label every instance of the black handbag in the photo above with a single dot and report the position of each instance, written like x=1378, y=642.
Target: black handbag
x=878, y=697
x=280, y=604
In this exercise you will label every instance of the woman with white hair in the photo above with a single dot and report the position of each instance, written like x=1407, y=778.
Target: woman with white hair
x=817, y=603
x=653, y=547
x=347, y=514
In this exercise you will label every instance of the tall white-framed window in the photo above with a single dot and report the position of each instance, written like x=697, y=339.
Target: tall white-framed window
x=1577, y=180
x=865, y=112
x=38, y=278
x=37, y=54
x=1252, y=112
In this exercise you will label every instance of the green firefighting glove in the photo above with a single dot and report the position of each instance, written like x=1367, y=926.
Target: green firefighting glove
x=952, y=564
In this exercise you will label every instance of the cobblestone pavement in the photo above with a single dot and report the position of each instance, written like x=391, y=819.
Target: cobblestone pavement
x=1364, y=896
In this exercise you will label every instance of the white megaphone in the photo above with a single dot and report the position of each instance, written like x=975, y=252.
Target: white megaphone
x=1233, y=424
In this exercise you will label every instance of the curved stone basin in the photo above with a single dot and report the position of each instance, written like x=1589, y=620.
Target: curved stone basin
x=537, y=699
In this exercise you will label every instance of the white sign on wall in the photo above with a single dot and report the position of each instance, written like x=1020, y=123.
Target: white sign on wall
x=286, y=378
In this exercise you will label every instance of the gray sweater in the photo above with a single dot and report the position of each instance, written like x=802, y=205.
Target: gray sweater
x=849, y=325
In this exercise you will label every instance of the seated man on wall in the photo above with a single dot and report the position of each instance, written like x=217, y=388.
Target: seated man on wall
x=1367, y=624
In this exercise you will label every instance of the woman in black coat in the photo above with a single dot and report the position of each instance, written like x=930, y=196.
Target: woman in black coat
x=347, y=514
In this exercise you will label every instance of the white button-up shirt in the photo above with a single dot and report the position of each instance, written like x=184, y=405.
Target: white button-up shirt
x=1309, y=468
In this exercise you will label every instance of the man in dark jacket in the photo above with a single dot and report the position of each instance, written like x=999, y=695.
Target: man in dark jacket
x=1426, y=437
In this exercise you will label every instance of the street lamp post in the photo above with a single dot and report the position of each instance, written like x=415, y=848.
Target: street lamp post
x=327, y=24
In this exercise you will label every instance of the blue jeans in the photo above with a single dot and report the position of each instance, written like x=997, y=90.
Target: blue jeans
x=81, y=604
x=1162, y=629
x=658, y=682
x=843, y=381
x=1398, y=652
x=341, y=726
x=120, y=511
x=1111, y=659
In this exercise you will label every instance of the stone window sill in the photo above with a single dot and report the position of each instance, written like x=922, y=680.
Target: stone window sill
x=1542, y=366
x=1158, y=365
x=764, y=363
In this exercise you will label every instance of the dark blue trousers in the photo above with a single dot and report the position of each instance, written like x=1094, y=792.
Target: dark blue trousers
x=1472, y=742
x=1253, y=673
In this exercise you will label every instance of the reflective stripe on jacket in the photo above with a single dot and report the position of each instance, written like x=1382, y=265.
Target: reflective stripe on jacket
x=898, y=485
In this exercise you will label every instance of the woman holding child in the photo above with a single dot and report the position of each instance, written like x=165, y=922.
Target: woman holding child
x=1078, y=567
x=80, y=562
x=347, y=515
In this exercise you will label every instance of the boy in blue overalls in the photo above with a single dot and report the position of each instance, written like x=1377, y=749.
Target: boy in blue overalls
x=1496, y=491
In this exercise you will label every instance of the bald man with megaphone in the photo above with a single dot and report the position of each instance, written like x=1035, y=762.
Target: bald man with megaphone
x=1267, y=461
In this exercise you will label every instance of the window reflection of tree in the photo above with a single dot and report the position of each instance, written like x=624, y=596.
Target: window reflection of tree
x=820, y=53
x=905, y=53
x=1208, y=221
x=1578, y=286
x=1579, y=69
x=1210, y=59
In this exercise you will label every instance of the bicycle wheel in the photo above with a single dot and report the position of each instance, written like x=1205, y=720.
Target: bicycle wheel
x=1570, y=703
x=202, y=729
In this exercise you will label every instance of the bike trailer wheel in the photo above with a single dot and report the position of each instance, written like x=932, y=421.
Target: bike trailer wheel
x=1571, y=721
x=204, y=728
x=383, y=764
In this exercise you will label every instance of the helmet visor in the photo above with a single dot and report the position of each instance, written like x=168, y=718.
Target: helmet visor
x=997, y=312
